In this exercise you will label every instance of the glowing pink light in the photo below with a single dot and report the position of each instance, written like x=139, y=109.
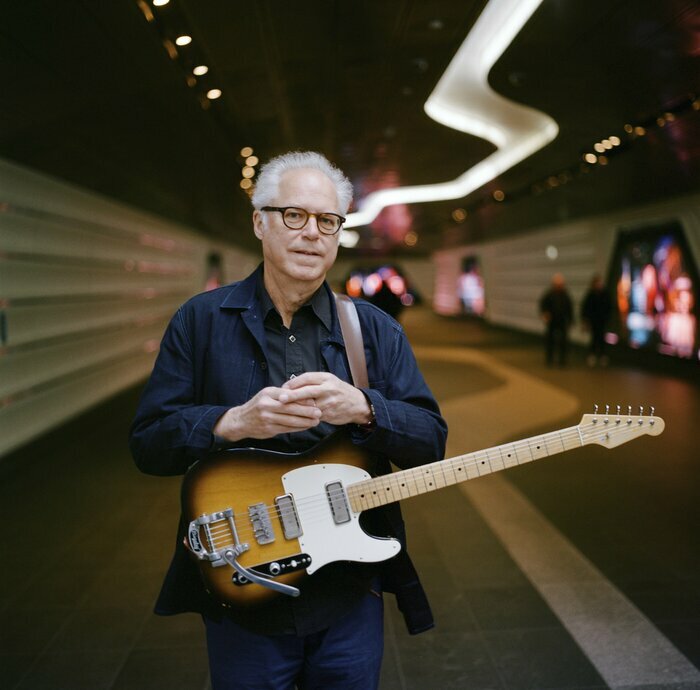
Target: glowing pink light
x=372, y=284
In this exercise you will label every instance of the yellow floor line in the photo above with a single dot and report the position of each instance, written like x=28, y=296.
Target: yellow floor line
x=623, y=645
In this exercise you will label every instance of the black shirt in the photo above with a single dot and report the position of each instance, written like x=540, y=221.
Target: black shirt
x=294, y=351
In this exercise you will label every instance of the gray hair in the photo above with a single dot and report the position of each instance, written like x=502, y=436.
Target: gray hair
x=267, y=186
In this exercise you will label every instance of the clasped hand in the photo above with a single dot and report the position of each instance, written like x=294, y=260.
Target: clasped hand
x=300, y=403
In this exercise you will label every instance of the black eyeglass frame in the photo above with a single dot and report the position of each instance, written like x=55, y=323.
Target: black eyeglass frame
x=284, y=209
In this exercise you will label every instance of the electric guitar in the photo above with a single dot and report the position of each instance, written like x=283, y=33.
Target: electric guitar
x=261, y=520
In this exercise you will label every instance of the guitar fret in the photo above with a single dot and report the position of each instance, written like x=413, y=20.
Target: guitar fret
x=511, y=458
x=412, y=482
x=526, y=447
x=496, y=462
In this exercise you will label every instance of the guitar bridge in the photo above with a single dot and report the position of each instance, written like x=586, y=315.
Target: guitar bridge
x=210, y=526
x=275, y=568
x=262, y=525
x=228, y=554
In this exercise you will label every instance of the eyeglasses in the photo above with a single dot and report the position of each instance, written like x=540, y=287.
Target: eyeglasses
x=296, y=218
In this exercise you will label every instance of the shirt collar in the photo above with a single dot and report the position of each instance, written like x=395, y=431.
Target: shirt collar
x=320, y=302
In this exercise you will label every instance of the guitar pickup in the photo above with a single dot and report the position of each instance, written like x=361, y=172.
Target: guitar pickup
x=338, y=502
x=289, y=518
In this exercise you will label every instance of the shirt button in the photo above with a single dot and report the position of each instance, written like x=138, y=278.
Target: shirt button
x=292, y=339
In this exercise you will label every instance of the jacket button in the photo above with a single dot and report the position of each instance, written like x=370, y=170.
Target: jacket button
x=263, y=365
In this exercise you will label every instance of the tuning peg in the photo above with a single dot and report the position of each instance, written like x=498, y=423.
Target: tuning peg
x=595, y=409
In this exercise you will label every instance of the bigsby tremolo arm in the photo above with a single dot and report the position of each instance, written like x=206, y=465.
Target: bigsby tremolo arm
x=228, y=554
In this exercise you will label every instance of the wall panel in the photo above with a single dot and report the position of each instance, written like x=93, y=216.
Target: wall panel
x=87, y=286
x=518, y=269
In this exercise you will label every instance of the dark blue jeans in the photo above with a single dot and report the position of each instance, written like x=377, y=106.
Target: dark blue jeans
x=346, y=656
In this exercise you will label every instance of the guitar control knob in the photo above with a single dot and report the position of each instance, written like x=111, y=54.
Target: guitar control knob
x=275, y=568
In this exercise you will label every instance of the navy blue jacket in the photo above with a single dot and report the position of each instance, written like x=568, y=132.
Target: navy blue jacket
x=213, y=357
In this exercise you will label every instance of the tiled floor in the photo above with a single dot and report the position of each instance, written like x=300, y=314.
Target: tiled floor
x=87, y=539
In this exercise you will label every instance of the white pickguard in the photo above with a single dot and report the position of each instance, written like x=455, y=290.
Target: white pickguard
x=322, y=539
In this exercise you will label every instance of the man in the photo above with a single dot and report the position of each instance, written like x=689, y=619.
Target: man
x=262, y=363
x=595, y=312
x=557, y=312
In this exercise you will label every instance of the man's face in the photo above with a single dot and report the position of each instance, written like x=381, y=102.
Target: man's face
x=300, y=255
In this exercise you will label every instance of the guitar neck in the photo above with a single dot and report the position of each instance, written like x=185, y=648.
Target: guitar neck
x=396, y=486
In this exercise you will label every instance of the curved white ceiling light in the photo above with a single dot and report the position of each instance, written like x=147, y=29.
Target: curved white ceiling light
x=464, y=101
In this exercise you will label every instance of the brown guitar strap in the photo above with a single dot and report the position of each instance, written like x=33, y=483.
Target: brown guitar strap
x=352, y=335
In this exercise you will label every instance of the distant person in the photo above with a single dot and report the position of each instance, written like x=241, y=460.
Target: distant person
x=215, y=272
x=387, y=301
x=557, y=312
x=595, y=312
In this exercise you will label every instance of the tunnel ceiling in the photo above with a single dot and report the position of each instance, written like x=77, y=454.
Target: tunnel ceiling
x=93, y=95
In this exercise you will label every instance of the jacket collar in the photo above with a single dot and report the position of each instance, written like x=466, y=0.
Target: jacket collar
x=242, y=296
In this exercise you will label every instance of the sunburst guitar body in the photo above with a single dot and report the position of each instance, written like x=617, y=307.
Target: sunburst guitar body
x=258, y=521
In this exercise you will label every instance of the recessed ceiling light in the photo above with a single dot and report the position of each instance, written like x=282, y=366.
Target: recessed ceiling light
x=183, y=40
x=213, y=94
x=200, y=70
x=252, y=160
x=246, y=151
x=160, y=3
x=411, y=239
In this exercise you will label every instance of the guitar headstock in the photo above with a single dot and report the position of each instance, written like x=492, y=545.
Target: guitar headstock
x=612, y=429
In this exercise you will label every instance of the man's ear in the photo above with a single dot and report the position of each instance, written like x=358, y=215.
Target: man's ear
x=258, y=224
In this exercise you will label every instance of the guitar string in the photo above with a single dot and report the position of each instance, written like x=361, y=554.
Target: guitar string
x=321, y=500
x=316, y=505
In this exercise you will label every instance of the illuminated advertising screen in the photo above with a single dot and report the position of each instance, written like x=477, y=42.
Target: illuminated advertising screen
x=654, y=284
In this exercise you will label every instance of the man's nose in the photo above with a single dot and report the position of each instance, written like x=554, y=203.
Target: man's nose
x=311, y=228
